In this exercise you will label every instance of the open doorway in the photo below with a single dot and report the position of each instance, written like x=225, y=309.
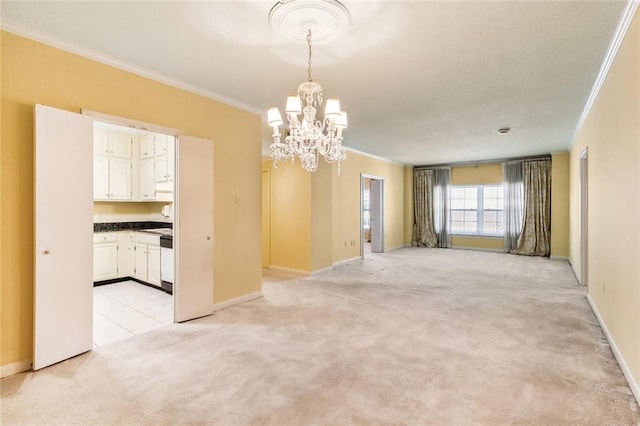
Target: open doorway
x=372, y=214
x=133, y=215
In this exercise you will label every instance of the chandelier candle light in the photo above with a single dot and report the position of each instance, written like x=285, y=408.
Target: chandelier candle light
x=308, y=138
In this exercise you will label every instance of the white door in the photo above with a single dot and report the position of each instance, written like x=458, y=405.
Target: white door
x=193, y=241
x=377, y=216
x=63, y=291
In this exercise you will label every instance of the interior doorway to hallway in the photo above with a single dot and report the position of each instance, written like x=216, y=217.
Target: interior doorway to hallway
x=371, y=214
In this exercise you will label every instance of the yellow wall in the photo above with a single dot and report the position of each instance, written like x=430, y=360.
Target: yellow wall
x=560, y=205
x=481, y=243
x=290, y=216
x=477, y=175
x=36, y=73
x=347, y=205
x=315, y=217
x=612, y=134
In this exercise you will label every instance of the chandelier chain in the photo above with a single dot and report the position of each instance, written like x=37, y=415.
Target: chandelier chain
x=309, y=61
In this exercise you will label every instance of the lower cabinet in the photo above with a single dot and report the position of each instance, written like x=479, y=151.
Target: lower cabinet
x=147, y=260
x=105, y=256
x=153, y=265
x=126, y=254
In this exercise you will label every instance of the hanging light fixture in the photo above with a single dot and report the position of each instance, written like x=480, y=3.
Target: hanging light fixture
x=307, y=137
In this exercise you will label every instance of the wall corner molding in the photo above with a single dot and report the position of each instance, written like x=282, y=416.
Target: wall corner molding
x=618, y=36
x=633, y=384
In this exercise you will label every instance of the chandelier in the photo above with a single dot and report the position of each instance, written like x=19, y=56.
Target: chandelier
x=309, y=138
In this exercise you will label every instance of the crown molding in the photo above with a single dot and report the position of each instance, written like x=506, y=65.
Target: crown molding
x=618, y=36
x=366, y=154
x=124, y=66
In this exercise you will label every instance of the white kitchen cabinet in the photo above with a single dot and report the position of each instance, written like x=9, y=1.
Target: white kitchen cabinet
x=153, y=265
x=111, y=166
x=126, y=254
x=147, y=179
x=165, y=162
x=119, y=179
x=140, y=271
x=100, y=142
x=147, y=146
x=147, y=258
x=161, y=169
x=100, y=177
x=105, y=256
x=161, y=146
x=119, y=145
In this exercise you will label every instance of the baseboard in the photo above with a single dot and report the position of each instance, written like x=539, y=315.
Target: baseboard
x=319, y=271
x=237, y=300
x=395, y=248
x=559, y=258
x=14, y=368
x=633, y=384
x=296, y=272
x=342, y=262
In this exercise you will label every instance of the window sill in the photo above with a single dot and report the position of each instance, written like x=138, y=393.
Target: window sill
x=488, y=236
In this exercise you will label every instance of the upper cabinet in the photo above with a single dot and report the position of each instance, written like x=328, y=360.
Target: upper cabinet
x=111, y=166
x=127, y=167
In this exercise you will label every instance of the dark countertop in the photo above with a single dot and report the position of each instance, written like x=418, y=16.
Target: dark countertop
x=129, y=226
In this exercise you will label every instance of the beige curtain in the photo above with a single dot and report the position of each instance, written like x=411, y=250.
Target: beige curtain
x=424, y=234
x=535, y=238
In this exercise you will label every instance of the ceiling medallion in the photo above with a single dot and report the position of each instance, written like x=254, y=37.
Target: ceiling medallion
x=327, y=19
x=308, y=138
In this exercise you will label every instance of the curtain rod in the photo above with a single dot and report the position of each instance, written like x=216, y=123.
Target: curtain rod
x=477, y=163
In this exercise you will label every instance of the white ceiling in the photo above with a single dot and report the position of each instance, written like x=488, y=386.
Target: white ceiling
x=423, y=82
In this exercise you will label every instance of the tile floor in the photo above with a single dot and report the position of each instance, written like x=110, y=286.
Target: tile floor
x=128, y=308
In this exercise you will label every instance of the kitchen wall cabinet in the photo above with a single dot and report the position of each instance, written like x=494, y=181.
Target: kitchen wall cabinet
x=111, y=166
x=105, y=256
x=147, y=146
x=112, y=144
x=147, y=179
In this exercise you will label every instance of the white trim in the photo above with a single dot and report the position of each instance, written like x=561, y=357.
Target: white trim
x=237, y=300
x=319, y=271
x=341, y=262
x=559, y=258
x=478, y=249
x=366, y=154
x=633, y=384
x=14, y=368
x=128, y=122
x=618, y=36
x=395, y=248
x=296, y=272
x=124, y=66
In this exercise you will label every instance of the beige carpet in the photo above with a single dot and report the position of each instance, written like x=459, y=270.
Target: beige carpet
x=414, y=336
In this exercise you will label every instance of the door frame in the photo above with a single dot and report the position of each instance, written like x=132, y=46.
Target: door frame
x=364, y=176
x=584, y=217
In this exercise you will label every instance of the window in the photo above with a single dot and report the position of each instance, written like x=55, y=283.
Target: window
x=477, y=210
